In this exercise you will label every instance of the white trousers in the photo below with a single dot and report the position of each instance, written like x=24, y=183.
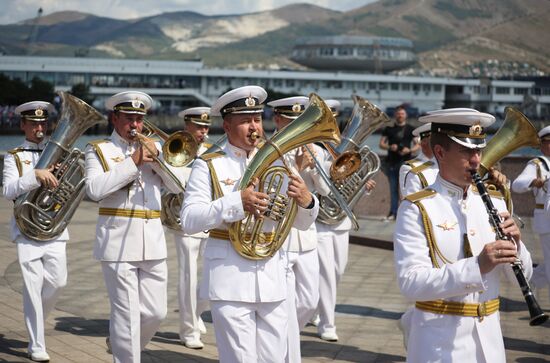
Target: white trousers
x=333, y=257
x=188, y=249
x=302, y=281
x=43, y=277
x=250, y=332
x=137, y=292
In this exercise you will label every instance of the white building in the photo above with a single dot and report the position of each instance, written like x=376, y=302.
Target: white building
x=179, y=84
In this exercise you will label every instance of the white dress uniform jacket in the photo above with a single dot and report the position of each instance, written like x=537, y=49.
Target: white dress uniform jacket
x=536, y=168
x=227, y=275
x=113, y=179
x=439, y=337
x=19, y=178
x=416, y=174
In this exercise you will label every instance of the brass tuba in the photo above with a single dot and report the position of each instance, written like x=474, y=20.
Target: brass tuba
x=43, y=214
x=354, y=162
x=248, y=236
x=516, y=132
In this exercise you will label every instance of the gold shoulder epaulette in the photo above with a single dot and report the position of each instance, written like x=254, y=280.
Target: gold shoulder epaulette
x=211, y=156
x=421, y=167
x=424, y=193
x=94, y=143
x=15, y=151
x=535, y=161
x=412, y=162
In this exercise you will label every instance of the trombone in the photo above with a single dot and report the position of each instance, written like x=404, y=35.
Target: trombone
x=179, y=148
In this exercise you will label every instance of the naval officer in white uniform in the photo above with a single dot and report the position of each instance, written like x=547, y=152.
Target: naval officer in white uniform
x=197, y=122
x=301, y=247
x=247, y=297
x=416, y=174
x=43, y=264
x=126, y=180
x=446, y=256
x=534, y=178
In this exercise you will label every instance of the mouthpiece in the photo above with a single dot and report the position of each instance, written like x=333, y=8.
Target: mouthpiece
x=254, y=135
x=133, y=132
x=39, y=134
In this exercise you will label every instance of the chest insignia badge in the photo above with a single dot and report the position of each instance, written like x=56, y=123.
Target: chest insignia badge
x=26, y=162
x=228, y=181
x=118, y=159
x=447, y=226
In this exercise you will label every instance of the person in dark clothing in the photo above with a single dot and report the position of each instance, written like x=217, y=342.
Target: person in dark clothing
x=397, y=140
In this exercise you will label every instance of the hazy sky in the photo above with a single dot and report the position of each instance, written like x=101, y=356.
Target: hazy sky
x=17, y=10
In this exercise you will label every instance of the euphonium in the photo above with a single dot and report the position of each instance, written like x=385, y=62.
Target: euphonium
x=354, y=162
x=43, y=214
x=248, y=236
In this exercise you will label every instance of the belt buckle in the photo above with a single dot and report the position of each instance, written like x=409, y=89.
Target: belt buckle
x=481, y=311
x=148, y=214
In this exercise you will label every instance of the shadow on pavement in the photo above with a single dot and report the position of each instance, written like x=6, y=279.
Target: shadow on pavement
x=523, y=345
x=8, y=346
x=171, y=356
x=367, y=311
x=347, y=353
x=82, y=326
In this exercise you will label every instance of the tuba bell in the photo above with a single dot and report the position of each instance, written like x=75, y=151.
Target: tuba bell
x=354, y=162
x=516, y=132
x=248, y=237
x=43, y=213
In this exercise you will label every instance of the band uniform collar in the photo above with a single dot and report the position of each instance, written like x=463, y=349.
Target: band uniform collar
x=238, y=153
x=119, y=140
x=40, y=146
x=450, y=190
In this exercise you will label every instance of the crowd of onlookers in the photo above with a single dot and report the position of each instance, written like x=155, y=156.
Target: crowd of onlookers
x=8, y=117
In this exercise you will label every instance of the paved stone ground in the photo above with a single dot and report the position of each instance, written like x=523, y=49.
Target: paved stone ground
x=369, y=305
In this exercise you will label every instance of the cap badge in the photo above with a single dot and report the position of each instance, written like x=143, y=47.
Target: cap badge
x=296, y=107
x=475, y=129
x=38, y=112
x=136, y=103
x=204, y=116
x=250, y=101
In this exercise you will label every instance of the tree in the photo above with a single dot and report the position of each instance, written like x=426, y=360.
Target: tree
x=40, y=90
x=82, y=91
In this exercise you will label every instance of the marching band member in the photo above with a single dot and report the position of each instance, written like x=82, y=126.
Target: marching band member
x=301, y=246
x=332, y=247
x=197, y=122
x=43, y=264
x=122, y=174
x=534, y=178
x=416, y=174
x=454, y=278
x=247, y=297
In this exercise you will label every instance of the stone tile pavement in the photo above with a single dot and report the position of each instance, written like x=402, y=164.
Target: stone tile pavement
x=369, y=305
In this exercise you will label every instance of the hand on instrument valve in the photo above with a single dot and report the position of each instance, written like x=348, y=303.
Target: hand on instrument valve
x=497, y=178
x=538, y=183
x=304, y=159
x=46, y=177
x=143, y=154
x=254, y=202
x=297, y=189
x=500, y=251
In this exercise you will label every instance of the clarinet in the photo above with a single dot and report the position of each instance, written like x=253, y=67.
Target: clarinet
x=537, y=315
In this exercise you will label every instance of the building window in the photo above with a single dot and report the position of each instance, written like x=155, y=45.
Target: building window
x=502, y=90
x=290, y=83
x=395, y=86
x=327, y=51
x=520, y=91
x=406, y=86
x=426, y=87
x=437, y=88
